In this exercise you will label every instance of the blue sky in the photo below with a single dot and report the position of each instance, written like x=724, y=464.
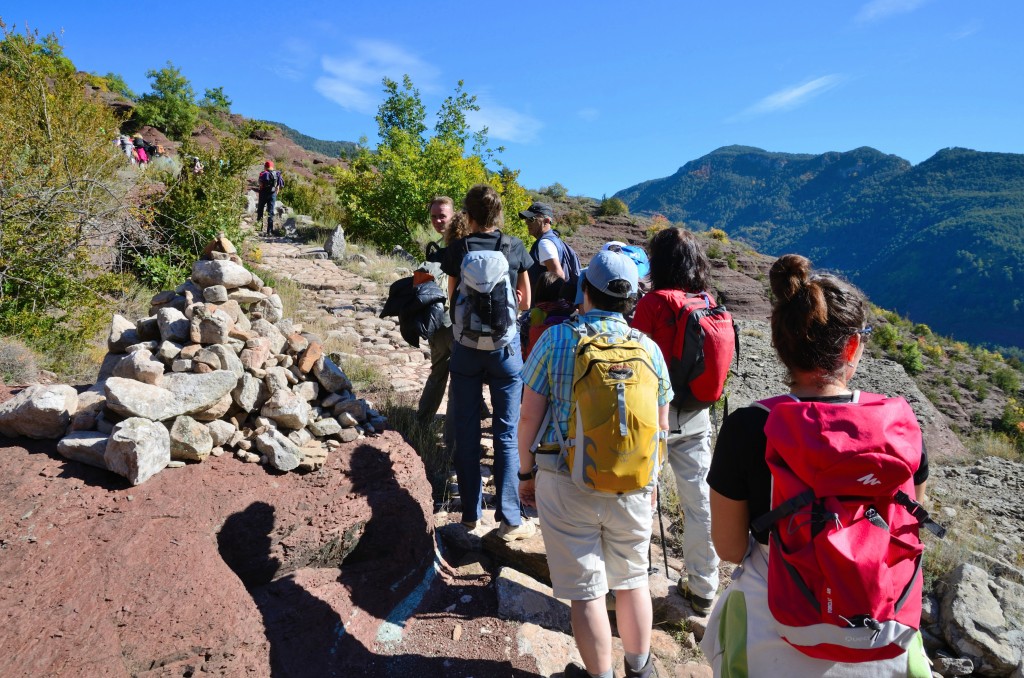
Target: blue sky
x=599, y=95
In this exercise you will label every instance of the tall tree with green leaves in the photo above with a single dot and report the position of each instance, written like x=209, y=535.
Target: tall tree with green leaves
x=171, y=105
x=386, y=192
x=61, y=198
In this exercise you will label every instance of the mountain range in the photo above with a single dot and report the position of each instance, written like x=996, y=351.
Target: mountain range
x=941, y=242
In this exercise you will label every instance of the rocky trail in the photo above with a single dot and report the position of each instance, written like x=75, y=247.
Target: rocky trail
x=351, y=569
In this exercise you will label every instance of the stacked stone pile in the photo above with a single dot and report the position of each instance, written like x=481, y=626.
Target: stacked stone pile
x=215, y=367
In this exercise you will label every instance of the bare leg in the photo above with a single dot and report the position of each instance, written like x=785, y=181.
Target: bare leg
x=593, y=633
x=633, y=618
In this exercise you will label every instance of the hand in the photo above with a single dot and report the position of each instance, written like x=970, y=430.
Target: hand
x=654, y=498
x=528, y=492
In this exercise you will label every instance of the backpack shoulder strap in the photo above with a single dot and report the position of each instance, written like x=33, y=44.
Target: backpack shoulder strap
x=768, y=403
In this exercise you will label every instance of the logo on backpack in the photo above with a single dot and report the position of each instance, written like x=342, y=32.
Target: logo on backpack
x=844, y=563
x=702, y=350
x=615, y=443
x=484, y=315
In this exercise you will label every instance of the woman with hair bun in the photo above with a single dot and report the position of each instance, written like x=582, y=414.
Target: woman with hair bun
x=819, y=328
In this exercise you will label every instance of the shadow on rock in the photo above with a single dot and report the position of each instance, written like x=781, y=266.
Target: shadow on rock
x=348, y=618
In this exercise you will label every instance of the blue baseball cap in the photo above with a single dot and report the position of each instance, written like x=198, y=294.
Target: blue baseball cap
x=634, y=252
x=606, y=267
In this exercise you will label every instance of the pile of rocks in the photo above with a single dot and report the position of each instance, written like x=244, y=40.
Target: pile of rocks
x=215, y=367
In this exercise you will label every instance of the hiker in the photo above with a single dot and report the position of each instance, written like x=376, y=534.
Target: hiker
x=269, y=182
x=596, y=523
x=441, y=211
x=487, y=282
x=819, y=328
x=549, y=252
x=550, y=307
x=680, y=267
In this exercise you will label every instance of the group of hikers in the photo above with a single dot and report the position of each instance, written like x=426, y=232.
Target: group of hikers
x=814, y=493
x=137, y=150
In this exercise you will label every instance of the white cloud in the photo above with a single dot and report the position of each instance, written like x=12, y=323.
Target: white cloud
x=504, y=123
x=294, y=59
x=354, y=81
x=880, y=9
x=588, y=114
x=788, y=98
x=967, y=30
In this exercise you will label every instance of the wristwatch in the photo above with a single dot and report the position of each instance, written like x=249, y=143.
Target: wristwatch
x=525, y=476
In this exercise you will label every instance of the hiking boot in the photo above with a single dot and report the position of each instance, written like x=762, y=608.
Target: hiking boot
x=701, y=606
x=647, y=671
x=470, y=525
x=515, y=532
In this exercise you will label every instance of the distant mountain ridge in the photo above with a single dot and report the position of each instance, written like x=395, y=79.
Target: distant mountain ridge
x=941, y=241
x=332, y=149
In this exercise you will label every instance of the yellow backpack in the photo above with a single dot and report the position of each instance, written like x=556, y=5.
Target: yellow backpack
x=615, y=443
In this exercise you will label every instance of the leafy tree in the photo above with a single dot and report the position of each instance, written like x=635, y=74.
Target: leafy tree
x=215, y=100
x=555, y=190
x=910, y=358
x=612, y=207
x=115, y=83
x=60, y=195
x=171, y=106
x=385, y=192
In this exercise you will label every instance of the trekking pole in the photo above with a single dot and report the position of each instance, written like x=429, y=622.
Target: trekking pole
x=661, y=527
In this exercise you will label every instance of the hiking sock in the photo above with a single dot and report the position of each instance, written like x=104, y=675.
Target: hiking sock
x=636, y=662
x=610, y=673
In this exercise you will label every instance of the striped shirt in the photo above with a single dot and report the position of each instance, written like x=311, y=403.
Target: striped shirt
x=549, y=367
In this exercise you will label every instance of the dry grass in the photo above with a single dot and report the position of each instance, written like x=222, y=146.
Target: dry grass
x=992, y=445
x=18, y=363
x=966, y=541
x=383, y=269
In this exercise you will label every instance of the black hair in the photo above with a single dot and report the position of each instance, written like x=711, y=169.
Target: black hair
x=606, y=302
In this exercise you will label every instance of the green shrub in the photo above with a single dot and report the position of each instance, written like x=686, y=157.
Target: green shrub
x=886, y=336
x=714, y=252
x=910, y=358
x=315, y=197
x=731, y=261
x=1007, y=379
x=719, y=235
x=922, y=330
x=612, y=207
x=555, y=190
x=571, y=221
x=934, y=351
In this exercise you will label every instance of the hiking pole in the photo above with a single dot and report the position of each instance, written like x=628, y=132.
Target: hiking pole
x=661, y=528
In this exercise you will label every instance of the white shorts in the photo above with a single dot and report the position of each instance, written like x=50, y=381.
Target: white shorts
x=594, y=541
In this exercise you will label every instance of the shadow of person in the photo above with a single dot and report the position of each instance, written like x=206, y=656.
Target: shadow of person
x=387, y=578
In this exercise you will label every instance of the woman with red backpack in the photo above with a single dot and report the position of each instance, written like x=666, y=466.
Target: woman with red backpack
x=814, y=494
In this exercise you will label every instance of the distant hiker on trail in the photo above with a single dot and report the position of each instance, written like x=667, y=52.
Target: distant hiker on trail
x=595, y=412
x=680, y=272
x=269, y=182
x=441, y=210
x=549, y=252
x=487, y=283
x=823, y=478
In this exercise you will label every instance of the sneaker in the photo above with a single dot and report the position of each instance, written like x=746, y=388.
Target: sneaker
x=701, y=606
x=515, y=532
x=647, y=671
x=469, y=524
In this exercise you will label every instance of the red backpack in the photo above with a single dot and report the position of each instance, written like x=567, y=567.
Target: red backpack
x=702, y=350
x=844, y=563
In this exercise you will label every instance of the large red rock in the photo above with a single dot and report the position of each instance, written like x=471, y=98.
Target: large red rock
x=223, y=567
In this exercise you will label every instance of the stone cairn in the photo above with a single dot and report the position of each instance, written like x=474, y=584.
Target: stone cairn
x=215, y=368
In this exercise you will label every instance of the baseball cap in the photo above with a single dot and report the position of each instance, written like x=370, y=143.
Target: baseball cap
x=606, y=267
x=268, y=165
x=634, y=252
x=538, y=209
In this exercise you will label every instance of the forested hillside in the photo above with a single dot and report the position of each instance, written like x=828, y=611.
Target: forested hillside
x=942, y=241
x=332, y=149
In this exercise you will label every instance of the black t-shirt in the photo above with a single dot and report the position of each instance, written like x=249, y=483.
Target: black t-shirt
x=739, y=470
x=518, y=258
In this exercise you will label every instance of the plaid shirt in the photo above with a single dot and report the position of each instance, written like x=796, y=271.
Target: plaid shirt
x=548, y=369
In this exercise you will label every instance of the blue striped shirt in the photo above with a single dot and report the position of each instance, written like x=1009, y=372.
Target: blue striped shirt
x=548, y=370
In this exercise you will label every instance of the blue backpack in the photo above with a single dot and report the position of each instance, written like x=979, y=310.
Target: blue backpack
x=567, y=257
x=484, y=315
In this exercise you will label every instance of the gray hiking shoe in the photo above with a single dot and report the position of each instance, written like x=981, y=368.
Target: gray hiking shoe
x=701, y=606
x=515, y=532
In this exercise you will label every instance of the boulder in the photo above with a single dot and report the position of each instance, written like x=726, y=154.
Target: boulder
x=227, y=273
x=122, y=334
x=174, y=326
x=182, y=393
x=310, y=356
x=215, y=411
x=325, y=427
x=138, y=449
x=286, y=409
x=330, y=376
x=84, y=446
x=221, y=431
x=190, y=440
x=336, y=245
x=210, y=327
x=281, y=453
x=524, y=599
x=250, y=393
x=255, y=354
x=267, y=330
x=39, y=411
x=271, y=308
x=140, y=366
x=226, y=359
x=552, y=650
x=975, y=625
x=215, y=294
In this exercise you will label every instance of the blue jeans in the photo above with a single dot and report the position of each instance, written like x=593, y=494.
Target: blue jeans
x=502, y=369
x=266, y=200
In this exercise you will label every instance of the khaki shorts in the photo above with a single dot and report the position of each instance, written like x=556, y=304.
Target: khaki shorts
x=594, y=541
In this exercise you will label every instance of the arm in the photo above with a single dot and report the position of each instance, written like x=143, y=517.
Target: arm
x=452, y=282
x=919, y=492
x=531, y=414
x=523, y=290
x=730, y=520
x=555, y=266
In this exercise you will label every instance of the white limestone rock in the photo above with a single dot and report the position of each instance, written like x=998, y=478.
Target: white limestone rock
x=40, y=411
x=138, y=449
